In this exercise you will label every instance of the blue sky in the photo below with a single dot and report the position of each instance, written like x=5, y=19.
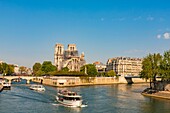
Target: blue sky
x=102, y=29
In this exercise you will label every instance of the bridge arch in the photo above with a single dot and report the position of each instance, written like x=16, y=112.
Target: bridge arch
x=27, y=78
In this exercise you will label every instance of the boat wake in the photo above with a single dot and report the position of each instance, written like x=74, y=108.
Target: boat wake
x=56, y=104
x=84, y=105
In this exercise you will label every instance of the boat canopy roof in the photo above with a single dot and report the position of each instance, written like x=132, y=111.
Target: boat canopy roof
x=68, y=93
x=36, y=85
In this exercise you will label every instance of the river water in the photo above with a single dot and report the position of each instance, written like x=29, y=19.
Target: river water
x=116, y=98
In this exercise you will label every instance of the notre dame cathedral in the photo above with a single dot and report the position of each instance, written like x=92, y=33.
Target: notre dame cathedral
x=68, y=58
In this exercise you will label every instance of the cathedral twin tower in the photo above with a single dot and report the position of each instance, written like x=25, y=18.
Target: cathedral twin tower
x=68, y=58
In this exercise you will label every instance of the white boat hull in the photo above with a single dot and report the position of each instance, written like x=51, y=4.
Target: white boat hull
x=6, y=85
x=71, y=103
x=37, y=88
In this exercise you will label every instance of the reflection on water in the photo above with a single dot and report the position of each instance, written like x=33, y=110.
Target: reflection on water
x=117, y=98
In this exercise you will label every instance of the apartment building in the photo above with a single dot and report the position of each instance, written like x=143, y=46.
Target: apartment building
x=125, y=65
x=100, y=66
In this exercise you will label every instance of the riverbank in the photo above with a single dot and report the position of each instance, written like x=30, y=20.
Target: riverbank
x=160, y=94
x=1, y=87
x=83, y=81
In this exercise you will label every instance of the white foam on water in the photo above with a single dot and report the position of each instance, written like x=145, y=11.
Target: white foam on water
x=84, y=105
x=56, y=104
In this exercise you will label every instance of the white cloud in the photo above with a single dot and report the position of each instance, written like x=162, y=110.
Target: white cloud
x=158, y=36
x=166, y=35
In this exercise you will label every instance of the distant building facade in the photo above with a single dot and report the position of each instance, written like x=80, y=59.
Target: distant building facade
x=68, y=58
x=1, y=62
x=24, y=71
x=125, y=65
x=16, y=69
x=100, y=66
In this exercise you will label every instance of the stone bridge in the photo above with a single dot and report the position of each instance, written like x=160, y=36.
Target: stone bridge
x=27, y=78
x=131, y=79
x=137, y=79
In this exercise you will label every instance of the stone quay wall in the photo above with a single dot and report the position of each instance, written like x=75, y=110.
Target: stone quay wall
x=160, y=94
x=82, y=81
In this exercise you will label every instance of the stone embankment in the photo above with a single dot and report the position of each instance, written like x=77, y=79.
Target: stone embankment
x=1, y=87
x=160, y=94
x=82, y=81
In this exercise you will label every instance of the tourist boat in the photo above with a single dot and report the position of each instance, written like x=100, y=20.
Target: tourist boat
x=37, y=87
x=5, y=84
x=69, y=98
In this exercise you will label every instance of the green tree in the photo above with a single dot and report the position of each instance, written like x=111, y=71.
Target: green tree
x=89, y=69
x=40, y=73
x=10, y=69
x=36, y=68
x=48, y=67
x=65, y=69
x=4, y=68
x=151, y=67
x=102, y=74
x=1, y=69
x=165, y=66
x=22, y=70
x=111, y=73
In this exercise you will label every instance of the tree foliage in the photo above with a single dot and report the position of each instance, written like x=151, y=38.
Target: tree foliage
x=165, y=66
x=151, y=67
x=40, y=73
x=45, y=68
x=10, y=69
x=22, y=69
x=48, y=67
x=111, y=73
x=89, y=69
x=6, y=69
x=36, y=68
x=65, y=69
x=102, y=74
x=155, y=65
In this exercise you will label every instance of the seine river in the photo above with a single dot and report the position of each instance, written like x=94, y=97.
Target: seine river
x=116, y=98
